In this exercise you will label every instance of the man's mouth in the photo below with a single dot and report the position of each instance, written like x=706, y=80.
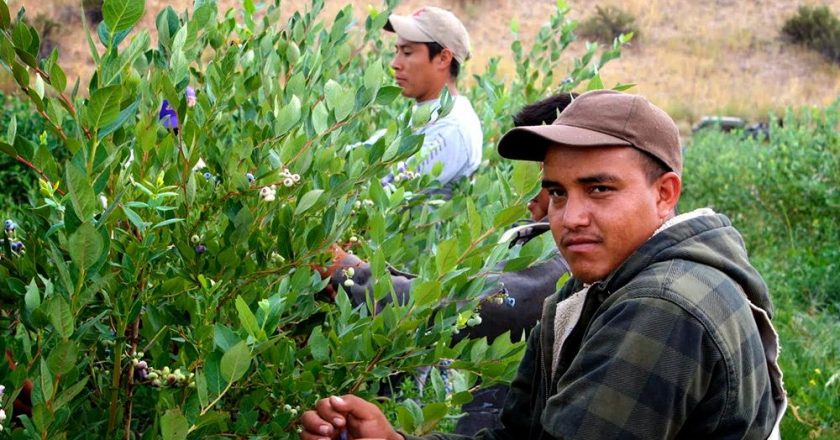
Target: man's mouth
x=580, y=244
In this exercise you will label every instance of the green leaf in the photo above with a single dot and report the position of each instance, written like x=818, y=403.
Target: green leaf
x=61, y=317
x=433, y=413
x=44, y=384
x=248, y=320
x=308, y=200
x=339, y=100
x=620, y=87
x=507, y=216
x=235, y=362
x=135, y=218
x=85, y=246
x=39, y=86
x=595, y=83
x=173, y=425
x=387, y=95
x=67, y=395
x=318, y=345
x=447, y=256
x=526, y=177
x=124, y=115
x=57, y=77
x=474, y=219
x=167, y=222
x=5, y=18
x=7, y=49
x=81, y=193
x=288, y=116
x=373, y=76
x=122, y=14
x=104, y=106
x=426, y=293
x=62, y=358
x=32, y=298
x=201, y=388
x=20, y=74
x=320, y=115
x=11, y=130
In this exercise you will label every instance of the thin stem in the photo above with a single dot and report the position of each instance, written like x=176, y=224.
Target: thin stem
x=37, y=170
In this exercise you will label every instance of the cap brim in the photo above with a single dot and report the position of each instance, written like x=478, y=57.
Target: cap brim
x=530, y=143
x=406, y=28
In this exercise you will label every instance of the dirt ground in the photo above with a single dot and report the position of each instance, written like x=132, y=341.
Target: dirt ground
x=692, y=58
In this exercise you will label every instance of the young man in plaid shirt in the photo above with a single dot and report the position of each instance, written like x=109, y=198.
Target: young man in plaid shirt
x=664, y=330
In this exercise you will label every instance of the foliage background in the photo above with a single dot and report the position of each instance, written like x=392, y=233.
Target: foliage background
x=245, y=317
x=158, y=298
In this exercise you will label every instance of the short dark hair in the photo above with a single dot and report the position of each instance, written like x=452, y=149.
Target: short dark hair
x=652, y=166
x=544, y=111
x=435, y=49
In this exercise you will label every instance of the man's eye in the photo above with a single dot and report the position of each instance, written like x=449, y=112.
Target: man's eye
x=600, y=189
x=556, y=193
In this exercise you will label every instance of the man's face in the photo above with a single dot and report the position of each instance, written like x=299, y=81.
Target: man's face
x=419, y=77
x=602, y=207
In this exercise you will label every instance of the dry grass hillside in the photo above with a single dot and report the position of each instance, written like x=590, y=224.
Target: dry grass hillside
x=693, y=58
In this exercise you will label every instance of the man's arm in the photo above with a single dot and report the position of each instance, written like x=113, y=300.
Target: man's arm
x=362, y=282
x=362, y=419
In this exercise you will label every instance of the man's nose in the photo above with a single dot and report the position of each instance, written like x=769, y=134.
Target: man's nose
x=395, y=64
x=575, y=213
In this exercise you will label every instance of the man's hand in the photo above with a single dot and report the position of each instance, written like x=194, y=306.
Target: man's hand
x=357, y=417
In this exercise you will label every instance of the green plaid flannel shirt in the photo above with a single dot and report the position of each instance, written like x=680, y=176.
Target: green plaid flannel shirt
x=666, y=347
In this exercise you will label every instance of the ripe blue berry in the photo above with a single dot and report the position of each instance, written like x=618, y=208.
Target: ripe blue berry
x=207, y=175
x=200, y=249
x=250, y=177
x=9, y=224
x=17, y=246
x=510, y=301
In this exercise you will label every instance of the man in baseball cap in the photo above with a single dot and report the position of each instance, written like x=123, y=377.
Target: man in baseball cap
x=432, y=45
x=664, y=330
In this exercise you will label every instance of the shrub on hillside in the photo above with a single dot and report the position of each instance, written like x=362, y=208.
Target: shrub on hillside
x=817, y=28
x=608, y=23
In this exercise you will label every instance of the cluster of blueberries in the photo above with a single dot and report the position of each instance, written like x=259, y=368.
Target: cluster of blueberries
x=10, y=227
x=160, y=378
x=199, y=247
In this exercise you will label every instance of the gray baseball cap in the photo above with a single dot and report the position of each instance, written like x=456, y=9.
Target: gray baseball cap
x=432, y=24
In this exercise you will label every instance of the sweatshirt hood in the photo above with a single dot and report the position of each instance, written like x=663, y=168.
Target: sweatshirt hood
x=704, y=237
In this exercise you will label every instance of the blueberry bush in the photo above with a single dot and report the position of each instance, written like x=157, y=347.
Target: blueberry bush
x=162, y=280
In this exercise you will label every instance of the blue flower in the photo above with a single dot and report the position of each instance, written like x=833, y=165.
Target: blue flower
x=167, y=115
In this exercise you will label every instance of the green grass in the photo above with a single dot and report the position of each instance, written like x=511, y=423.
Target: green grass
x=783, y=194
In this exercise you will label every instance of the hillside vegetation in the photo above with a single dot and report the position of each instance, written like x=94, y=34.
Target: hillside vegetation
x=693, y=59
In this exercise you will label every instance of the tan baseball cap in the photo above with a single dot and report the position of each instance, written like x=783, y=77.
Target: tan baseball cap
x=432, y=24
x=601, y=118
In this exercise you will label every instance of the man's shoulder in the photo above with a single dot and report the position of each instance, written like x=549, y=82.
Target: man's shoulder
x=689, y=281
x=461, y=115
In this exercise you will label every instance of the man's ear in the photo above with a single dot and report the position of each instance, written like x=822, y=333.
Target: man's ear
x=668, y=187
x=445, y=58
